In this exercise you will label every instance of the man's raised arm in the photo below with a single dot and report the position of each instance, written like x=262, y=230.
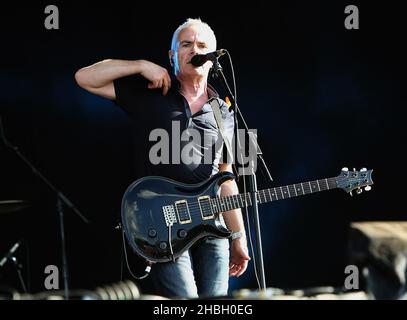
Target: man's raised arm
x=98, y=78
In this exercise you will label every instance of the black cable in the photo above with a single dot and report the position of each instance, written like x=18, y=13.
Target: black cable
x=146, y=270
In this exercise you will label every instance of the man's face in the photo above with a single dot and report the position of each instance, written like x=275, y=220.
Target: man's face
x=191, y=41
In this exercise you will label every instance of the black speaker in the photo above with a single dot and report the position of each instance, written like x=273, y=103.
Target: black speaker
x=379, y=250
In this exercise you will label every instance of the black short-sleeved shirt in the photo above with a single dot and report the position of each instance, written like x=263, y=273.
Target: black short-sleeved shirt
x=168, y=140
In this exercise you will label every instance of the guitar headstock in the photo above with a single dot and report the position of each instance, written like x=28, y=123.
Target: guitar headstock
x=351, y=180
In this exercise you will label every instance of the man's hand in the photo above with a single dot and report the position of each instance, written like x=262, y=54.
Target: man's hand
x=239, y=257
x=157, y=75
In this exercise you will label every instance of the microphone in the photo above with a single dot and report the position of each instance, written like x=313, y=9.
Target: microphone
x=9, y=253
x=199, y=59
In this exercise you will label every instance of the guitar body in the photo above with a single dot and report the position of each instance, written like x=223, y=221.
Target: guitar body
x=160, y=214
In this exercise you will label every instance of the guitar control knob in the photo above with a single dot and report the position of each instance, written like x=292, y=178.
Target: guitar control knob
x=152, y=233
x=368, y=188
x=163, y=245
x=182, y=233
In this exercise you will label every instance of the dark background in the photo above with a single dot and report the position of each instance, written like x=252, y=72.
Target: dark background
x=321, y=97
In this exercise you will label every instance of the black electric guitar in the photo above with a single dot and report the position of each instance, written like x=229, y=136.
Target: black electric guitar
x=162, y=218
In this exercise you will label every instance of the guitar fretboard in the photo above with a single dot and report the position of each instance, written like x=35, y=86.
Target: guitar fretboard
x=273, y=194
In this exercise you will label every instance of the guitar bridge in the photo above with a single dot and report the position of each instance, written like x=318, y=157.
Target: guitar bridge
x=169, y=215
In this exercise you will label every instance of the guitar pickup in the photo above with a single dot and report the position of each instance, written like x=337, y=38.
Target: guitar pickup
x=182, y=209
x=205, y=207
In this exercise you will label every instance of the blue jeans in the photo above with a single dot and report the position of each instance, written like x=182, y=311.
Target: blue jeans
x=202, y=271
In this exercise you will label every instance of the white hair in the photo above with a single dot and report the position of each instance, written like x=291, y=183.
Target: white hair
x=190, y=23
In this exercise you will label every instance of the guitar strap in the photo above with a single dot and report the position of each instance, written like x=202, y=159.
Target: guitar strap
x=218, y=117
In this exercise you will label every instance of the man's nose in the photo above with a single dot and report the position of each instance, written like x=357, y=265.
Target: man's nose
x=194, y=49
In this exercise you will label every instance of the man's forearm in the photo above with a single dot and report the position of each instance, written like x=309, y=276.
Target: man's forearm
x=104, y=72
x=233, y=218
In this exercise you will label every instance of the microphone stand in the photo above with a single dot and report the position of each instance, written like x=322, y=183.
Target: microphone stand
x=61, y=201
x=18, y=268
x=217, y=72
x=10, y=256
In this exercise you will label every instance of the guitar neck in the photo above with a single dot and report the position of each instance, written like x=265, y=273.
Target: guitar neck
x=273, y=194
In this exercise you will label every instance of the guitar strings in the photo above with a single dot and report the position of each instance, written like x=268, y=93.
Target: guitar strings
x=195, y=207
x=265, y=194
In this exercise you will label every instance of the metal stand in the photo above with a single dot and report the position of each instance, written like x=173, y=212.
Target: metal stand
x=10, y=256
x=259, y=247
x=61, y=200
x=18, y=268
x=217, y=72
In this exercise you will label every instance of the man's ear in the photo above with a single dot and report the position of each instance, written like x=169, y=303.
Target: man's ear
x=171, y=56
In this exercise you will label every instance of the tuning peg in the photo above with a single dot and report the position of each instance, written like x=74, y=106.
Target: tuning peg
x=354, y=169
x=359, y=191
x=350, y=192
x=363, y=170
x=345, y=169
x=368, y=188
